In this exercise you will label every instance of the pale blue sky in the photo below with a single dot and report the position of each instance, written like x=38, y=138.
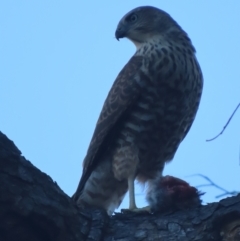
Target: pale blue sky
x=58, y=60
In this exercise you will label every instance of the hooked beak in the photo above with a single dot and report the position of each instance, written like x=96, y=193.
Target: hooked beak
x=121, y=32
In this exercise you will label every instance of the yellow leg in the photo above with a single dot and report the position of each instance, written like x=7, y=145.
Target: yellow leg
x=132, y=203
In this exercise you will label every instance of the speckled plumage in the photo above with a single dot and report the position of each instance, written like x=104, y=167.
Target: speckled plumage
x=147, y=113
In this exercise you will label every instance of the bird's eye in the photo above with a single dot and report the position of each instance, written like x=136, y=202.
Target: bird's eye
x=132, y=18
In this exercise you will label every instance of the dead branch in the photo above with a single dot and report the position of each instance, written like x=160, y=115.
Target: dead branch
x=213, y=184
x=225, y=125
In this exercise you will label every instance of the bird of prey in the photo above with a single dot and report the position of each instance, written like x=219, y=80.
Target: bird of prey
x=169, y=193
x=147, y=113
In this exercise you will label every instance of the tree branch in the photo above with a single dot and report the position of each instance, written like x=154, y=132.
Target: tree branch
x=34, y=208
x=230, y=118
x=213, y=184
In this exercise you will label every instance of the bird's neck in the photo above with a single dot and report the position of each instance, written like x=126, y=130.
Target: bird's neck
x=145, y=48
x=181, y=40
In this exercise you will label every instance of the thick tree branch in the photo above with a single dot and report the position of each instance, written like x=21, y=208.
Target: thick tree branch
x=33, y=207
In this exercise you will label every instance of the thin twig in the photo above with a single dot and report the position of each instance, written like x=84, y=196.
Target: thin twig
x=211, y=183
x=233, y=193
x=225, y=125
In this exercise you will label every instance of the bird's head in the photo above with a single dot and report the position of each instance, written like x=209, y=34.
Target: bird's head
x=144, y=23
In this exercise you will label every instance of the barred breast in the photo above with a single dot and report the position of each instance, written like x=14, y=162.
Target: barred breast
x=160, y=119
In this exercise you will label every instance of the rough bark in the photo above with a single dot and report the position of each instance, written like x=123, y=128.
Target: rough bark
x=34, y=208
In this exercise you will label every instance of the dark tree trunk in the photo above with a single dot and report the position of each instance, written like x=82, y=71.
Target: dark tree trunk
x=34, y=208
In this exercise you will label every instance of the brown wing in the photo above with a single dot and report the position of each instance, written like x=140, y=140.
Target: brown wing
x=122, y=95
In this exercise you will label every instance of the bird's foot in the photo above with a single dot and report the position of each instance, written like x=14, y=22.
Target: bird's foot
x=146, y=209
